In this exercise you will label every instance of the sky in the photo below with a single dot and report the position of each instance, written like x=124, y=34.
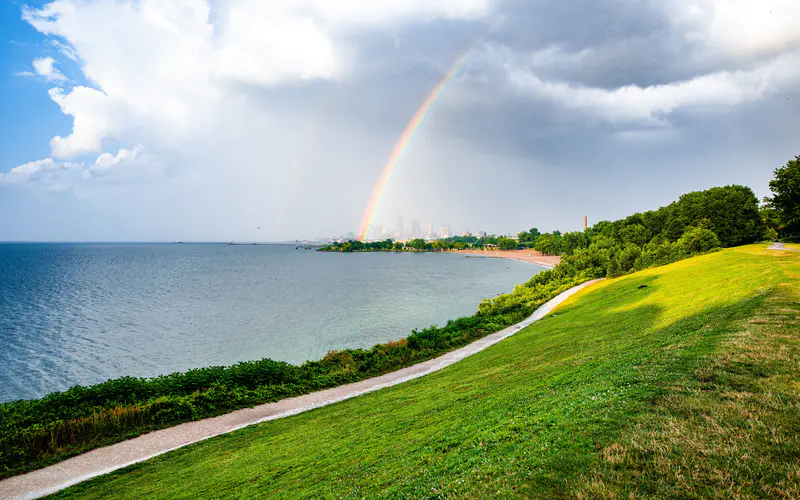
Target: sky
x=161, y=120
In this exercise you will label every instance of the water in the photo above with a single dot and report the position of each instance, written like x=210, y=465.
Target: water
x=83, y=313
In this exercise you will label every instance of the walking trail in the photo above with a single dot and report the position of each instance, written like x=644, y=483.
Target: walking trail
x=781, y=246
x=104, y=460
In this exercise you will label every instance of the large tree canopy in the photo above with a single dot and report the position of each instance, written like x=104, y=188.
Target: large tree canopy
x=785, y=199
x=731, y=212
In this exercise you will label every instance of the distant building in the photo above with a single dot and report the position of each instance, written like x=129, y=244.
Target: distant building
x=416, y=229
x=400, y=233
x=466, y=234
x=430, y=230
x=444, y=231
x=481, y=234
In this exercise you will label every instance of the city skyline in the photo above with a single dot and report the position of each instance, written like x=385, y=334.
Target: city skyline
x=378, y=232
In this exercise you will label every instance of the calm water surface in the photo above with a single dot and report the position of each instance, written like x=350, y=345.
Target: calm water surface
x=83, y=313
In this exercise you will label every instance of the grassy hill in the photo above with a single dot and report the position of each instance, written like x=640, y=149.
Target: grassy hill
x=689, y=386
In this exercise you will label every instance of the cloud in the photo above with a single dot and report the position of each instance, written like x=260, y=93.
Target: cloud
x=239, y=112
x=739, y=28
x=46, y=173
x=258, y=42
x=90, y=125
x=166, y=66
x=708, y=55
x=53, y=175
x=45, y=67
x=274, y=50
x=106, y=160
x=633, y=103
x=68, y=51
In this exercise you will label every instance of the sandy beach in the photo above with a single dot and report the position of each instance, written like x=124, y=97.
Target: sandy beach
x=531, y=256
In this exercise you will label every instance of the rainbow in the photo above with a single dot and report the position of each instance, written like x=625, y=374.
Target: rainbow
x=402, y=142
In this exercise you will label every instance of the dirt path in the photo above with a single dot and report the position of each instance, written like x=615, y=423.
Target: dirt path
x=104, y=460
x=781, y=246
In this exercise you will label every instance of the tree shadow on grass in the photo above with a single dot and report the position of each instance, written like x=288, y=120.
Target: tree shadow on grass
x=728, y=424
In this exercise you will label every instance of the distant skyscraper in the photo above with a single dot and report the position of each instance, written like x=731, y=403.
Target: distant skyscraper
x=416, y=229
x=430, y=230
x=400, y=232
x=481, y=234
x=444, y=231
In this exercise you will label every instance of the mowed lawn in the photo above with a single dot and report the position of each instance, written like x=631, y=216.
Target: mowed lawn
x=687, y=387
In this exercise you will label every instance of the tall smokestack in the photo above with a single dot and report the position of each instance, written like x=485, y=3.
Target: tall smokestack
x=585, y=223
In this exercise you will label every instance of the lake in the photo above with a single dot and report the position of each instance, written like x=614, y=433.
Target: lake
x=83, y=313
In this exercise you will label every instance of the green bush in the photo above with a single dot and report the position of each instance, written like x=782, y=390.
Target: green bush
x=698, y=240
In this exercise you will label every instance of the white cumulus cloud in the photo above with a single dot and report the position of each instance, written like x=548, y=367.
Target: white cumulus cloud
x=52, y=174
x=45, y=172
x=740, y=28
x=45, y=67
x=164, y=67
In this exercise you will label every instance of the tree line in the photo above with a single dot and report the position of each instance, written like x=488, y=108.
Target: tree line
x=721, y=216
x=421, y=245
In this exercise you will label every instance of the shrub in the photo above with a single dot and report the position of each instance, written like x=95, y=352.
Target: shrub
x=698, y=240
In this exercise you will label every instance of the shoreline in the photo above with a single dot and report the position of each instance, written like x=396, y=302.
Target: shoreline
x=529, y=256
x=107, y=459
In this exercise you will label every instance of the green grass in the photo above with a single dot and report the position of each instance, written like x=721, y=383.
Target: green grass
x=689, y=387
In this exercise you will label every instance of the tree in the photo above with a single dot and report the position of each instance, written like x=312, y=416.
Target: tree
x=656, y=220
x=487, y=240
x=417, y=244
x=528, y=238
x=635, y=233
x=698, y=239
x=549, y=243
x=674, y=228
x=575, y=240
x=771, y=218
x=732, y=213
x=506, y=243
x=786, y=198
x=604, y=227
